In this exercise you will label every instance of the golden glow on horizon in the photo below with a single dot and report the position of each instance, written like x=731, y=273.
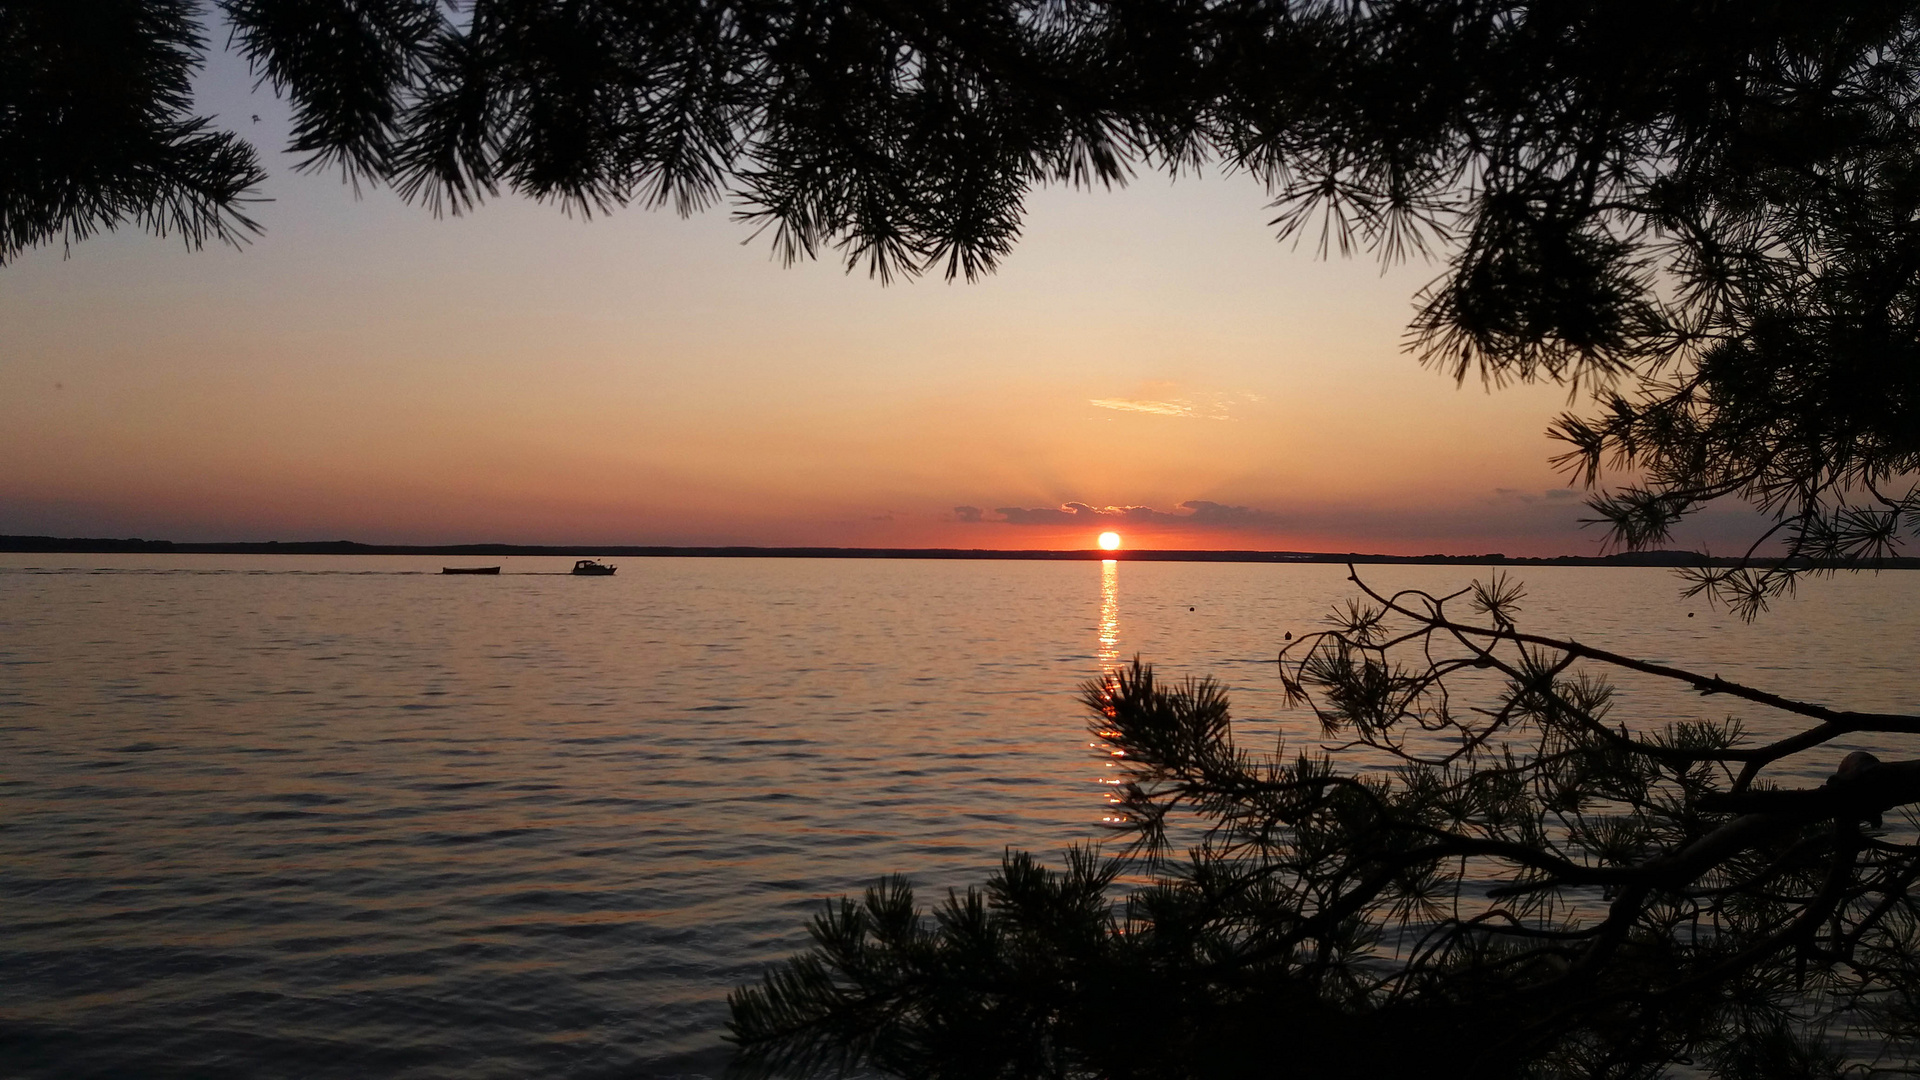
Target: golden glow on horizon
x=1109, y=541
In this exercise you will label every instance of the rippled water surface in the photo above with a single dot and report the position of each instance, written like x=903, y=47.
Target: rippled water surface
x=288, y=816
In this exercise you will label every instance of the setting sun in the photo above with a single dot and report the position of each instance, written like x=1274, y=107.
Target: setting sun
x=1110, y=541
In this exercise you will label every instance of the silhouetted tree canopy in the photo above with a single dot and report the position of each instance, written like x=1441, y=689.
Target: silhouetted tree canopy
x=1705, y=212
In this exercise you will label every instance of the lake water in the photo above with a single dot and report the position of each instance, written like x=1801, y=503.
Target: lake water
x=346, y=817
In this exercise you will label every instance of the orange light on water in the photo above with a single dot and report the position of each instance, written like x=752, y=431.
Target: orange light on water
x=1109, y=614
x=1109, y=541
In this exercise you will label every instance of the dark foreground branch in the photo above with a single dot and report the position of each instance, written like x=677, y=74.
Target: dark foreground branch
x=1551, y=895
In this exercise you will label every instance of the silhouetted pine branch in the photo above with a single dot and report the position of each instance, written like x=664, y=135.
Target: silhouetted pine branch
x=97, y=130
x=1488, y=874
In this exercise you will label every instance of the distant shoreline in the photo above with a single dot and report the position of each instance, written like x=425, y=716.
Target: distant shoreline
x=55, y=545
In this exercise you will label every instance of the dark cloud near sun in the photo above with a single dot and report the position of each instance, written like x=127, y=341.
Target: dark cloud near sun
x=1220, y=515
x=1066, y=514
x=1199, y=513
x=1528, y=521
x=1550, y=495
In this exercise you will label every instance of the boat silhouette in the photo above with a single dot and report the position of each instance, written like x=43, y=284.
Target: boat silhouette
x=593, y=568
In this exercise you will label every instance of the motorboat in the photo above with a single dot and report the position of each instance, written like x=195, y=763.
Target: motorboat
x=592, y=568
x=469, y=569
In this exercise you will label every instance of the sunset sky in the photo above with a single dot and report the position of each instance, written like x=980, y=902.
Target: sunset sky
x=365, y=371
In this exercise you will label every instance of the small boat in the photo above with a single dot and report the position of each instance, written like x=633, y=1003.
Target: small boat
x=592, y=568
x=469, y=569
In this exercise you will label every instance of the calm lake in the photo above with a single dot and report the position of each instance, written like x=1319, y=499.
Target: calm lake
x=347, y=817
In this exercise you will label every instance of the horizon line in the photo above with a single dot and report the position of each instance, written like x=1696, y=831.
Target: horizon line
x=53, y=545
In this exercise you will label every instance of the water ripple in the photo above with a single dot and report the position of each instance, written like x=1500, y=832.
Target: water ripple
x=347, y=818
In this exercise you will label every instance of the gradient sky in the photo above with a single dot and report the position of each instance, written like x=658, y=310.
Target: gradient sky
x=366, y=371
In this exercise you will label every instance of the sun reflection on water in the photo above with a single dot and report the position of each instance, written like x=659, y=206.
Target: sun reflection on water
x=1109, y=661
x=1109, y=614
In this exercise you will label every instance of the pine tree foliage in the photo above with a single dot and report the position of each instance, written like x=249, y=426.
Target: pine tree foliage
x=1486, y=871
x=96, y=127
